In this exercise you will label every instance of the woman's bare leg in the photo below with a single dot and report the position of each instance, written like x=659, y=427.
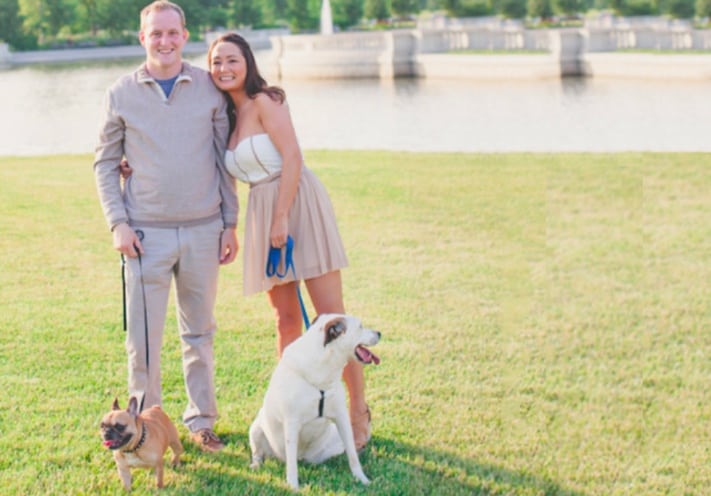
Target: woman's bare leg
x=287, y=311
x=326, y=294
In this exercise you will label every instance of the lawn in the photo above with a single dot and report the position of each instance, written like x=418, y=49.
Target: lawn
x=545, y=323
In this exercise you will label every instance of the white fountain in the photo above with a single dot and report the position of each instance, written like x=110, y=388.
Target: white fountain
x=326, y=18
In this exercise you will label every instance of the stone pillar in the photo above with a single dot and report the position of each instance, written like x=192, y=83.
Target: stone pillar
x=5, y=55
x=567, y=48
x=398, y=56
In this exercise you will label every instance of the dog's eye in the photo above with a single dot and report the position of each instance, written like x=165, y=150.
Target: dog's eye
x=120, y=427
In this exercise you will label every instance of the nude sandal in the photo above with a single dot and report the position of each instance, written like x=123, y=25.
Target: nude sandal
x=361, y=428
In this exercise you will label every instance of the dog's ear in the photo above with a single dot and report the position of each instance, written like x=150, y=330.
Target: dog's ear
x=115, y=406
x=132, y=407
x=334, y=328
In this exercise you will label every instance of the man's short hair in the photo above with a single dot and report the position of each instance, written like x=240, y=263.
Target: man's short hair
x=160, y=5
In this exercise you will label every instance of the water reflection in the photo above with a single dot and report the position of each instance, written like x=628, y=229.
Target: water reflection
x=55, y=109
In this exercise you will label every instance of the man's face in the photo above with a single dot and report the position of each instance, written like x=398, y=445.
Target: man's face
x=163, y=36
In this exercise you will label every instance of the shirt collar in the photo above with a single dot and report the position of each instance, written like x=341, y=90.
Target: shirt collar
x=144, y=77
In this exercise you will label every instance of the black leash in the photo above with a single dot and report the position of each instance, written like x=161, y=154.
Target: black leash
x=140, y=235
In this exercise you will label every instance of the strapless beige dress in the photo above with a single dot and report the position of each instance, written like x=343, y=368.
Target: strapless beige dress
x=318, y=248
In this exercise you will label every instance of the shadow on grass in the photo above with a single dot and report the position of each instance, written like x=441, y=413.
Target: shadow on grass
x=395, y=468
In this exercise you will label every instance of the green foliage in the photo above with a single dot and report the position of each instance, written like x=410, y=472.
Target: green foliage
x=10, y=22
x=380, y=10
x=117, y=16
x=404, y=8
x=468, y=8
x=511, y=9
x=570, y=7
x=703, y=8
x=542, y=9
x=635, y=7
x=347, y=13
x=246, y=13
x=302, y=15
x=275, y=11
x=681, y=9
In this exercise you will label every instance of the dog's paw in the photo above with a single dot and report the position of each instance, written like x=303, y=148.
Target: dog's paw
x=361, y=477
x=256, y=463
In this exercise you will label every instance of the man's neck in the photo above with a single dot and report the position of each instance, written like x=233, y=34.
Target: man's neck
x=158, y=72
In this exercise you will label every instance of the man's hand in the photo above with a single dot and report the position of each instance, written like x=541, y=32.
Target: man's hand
x=229, y=246
x=126, y=241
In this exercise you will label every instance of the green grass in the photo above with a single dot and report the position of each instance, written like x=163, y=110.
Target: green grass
x=545, y=326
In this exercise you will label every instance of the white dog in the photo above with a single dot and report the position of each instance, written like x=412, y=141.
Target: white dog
x=305, y=398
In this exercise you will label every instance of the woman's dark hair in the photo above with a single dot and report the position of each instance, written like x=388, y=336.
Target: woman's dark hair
x=254, y=83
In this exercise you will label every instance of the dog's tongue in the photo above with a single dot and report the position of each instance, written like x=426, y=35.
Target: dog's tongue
x=366, y=355
x=108, y=444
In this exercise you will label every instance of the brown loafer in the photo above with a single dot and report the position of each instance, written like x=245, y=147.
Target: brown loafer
x=207, y=440
x=361, y=428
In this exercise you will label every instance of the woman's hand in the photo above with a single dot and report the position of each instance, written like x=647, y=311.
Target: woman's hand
x=279, y=232
x=125, y=169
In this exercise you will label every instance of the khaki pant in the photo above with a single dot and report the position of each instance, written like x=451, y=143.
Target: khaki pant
x=190, y=257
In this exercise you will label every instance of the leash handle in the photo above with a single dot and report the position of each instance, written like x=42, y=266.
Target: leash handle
x=274, y=259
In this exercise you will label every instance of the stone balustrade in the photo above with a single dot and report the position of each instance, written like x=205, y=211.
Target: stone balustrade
x=460, y=48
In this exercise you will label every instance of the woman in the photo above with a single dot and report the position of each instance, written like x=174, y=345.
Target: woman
x=285, y=198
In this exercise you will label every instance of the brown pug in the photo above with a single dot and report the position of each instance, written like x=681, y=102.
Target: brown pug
x=140, y=440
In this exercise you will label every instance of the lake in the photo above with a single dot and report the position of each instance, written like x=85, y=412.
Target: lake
x=55, y=109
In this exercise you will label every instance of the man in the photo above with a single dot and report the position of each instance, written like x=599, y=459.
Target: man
x=175, y=217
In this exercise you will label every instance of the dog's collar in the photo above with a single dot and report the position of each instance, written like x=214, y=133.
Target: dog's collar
x=140, y=441
x=320, y=403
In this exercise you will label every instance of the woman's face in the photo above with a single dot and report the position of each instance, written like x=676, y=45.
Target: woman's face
x=228, y=66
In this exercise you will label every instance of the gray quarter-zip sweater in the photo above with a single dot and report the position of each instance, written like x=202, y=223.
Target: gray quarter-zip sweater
x=175, y=146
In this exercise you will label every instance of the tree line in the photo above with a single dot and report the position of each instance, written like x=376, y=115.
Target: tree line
x=33, y=24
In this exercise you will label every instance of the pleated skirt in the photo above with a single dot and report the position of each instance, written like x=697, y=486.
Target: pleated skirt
x=318, y=248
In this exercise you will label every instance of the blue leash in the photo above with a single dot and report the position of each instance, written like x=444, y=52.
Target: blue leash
x=273, y=261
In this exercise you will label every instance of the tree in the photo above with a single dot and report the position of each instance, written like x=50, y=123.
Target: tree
x=275, y=10
x=88, y=14
x=703, y=8
x=300, y=16
x=467, y=8
x=10, y=21
x=246, y=13
x=377, y=9
x=347, y=13
x=681, y=9
x=512, y=9
x=570, y=7
x=404, y=8
x=117, y=16
x=542, y=9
